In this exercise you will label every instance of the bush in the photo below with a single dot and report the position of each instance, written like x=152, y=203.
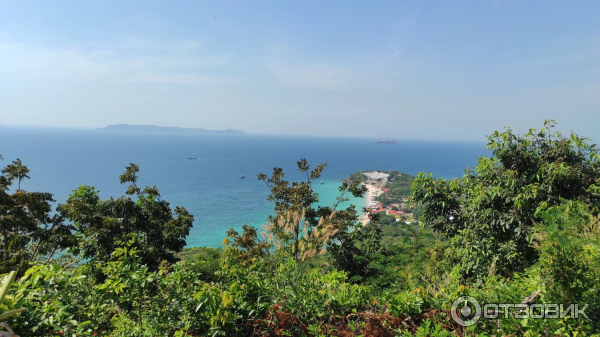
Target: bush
x=204, y=261
x=406, y=303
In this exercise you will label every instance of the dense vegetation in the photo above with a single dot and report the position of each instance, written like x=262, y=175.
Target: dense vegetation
x=524, y=222
x=399, y=185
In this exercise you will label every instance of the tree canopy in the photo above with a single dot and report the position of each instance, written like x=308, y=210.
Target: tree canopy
x=490, y=213
x=159, y=231
x=27, y=228
x=297, y=223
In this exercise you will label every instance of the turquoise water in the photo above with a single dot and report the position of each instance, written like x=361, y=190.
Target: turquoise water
x=63, y=159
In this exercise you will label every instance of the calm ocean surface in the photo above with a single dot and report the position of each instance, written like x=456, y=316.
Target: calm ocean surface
x=63, y=159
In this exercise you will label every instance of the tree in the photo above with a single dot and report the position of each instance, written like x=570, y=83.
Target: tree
x=296, y=223
x=245, y=247
x=27, y=230
x=490, y=213
x=568, y=240
x=99, y=224
x=16, y=171
x=354, y=249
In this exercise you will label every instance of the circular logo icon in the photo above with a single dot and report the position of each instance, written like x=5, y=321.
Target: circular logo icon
x=469, y=310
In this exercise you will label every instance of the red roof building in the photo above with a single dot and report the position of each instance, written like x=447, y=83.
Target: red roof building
x=378, y=209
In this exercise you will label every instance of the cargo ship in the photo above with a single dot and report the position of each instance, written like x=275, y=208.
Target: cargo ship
x=385, y=142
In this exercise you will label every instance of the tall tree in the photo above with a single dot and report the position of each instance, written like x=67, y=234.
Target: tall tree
x=297, y=223
x=16, y=171
x=27, y=230
x=355, y=248
x=99, y=224
x=490, y=213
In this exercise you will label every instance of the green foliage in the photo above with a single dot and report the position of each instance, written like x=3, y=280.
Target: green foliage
x=569, y=246
x=490, y=213
x=384, y=254
x=430, y=329
x=27, y=228
x=100, y=224
x=354, y=251
x=246, y=247
x=404, y=303
x=205, y=262
x=398, y=232
x=387, y=222
x=59, y=299
x=356, y=177
x=155, y=303
x=296, y=224
x=314, y=296
x=500, y=290
x=8, y=281
x=131, y=298
x=399, y=185
x=16, y=171
x=248, y=291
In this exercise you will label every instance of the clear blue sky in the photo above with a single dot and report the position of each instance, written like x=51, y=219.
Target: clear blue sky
x=401, y=69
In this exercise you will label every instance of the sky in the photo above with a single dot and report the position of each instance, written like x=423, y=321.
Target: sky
x=386, y=69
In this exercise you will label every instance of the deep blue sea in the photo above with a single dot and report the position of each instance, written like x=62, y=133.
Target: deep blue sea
x=63, y=159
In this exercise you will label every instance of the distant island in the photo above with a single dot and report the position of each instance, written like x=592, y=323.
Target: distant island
x=156, y=128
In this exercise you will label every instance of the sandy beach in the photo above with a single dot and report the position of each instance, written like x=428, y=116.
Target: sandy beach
x=370, y=193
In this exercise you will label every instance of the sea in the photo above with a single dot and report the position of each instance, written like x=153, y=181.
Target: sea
x=61, y=159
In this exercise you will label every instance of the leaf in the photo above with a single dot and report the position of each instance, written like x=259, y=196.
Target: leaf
x=12, y=312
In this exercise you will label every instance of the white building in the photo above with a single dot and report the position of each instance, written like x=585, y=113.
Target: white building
x=376, y=175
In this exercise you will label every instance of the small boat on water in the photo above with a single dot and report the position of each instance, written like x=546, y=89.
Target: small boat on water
x=242, y=177
x=321, y=182
x=192, y=158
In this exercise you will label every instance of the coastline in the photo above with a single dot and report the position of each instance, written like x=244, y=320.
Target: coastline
x=364, y=219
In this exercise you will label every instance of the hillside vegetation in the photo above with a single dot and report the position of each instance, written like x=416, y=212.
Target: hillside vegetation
x=522, y=227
